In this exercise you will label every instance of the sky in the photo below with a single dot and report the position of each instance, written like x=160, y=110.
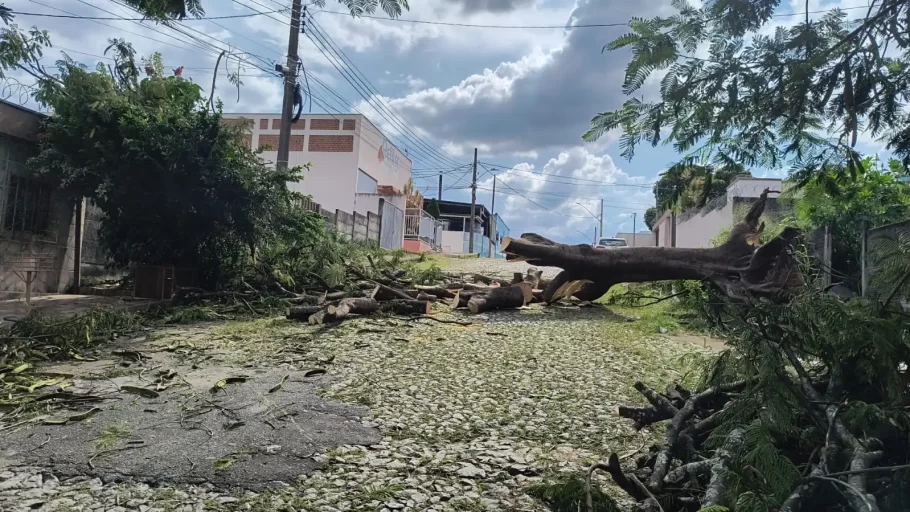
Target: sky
x=522, y=96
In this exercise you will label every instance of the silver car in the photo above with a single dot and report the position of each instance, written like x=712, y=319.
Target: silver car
x=611, y=243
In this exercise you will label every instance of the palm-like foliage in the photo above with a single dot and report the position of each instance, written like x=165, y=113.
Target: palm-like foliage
x=179, y=9
x=800, y=95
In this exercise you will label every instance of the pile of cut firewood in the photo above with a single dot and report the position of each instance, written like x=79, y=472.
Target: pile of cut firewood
x=389, y=294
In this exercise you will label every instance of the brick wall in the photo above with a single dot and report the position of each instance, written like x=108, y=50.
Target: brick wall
x=300, y=125
x=268, y=140
x=349, y=124
x=272, y=142
x=331, y=143
x=324, y=124
x=263, y=124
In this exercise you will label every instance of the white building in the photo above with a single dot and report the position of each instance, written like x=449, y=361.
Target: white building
x=352, y=164
x=698, y=228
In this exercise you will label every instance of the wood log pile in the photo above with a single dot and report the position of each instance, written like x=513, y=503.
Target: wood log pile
x=393, y=295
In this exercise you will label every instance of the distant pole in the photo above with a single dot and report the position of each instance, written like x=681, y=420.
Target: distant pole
x=473, y=204
x=634, y=218
x=601, y=217
x=290, y=78
x=594, y=242
x=493, y=217
x=864, y=280
x=439, y=194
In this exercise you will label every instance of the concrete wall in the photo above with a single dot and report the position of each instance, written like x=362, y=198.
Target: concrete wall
x=753, y=187
x=335, y=146
x=453, y=242
x=370, y=202
x=699, y=229
x=640, y=239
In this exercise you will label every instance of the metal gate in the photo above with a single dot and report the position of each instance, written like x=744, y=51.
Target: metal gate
x=391, y=231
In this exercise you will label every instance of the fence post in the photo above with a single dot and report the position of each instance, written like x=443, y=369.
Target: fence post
x=380, y=208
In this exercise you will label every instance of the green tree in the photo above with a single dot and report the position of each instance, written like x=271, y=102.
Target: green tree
x=178, y=9
x=689, y=185
x=433, y=208
x=176, y=184
x=651, y=215
x=878, y=196
x=799, y=96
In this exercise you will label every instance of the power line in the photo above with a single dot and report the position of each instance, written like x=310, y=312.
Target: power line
x=373, y=95
x=564, y=27
x=107, y=18
x=571, y=178
x=348, y=73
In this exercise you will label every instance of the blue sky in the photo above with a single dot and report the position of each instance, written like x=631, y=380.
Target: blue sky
x=522, y=96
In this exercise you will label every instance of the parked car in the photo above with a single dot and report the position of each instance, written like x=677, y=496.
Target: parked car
x=611, y=243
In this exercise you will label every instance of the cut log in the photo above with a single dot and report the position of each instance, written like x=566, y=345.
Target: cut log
x=533, y=277
x=362, y=306
x=463, y=296
x=514, y=296
x=467, y=286
x=489, y=281
x=406, y=307
x=303, y=312
x=517, y=277
x=426, y=296
x=442, y=293
x=386, y=292
x=737, y=268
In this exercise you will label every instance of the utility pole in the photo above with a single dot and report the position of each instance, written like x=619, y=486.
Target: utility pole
x=493, y=218
x=290, y=74
x=473, y=203
x=439, y=194
x=634, y=218
x=601, y=217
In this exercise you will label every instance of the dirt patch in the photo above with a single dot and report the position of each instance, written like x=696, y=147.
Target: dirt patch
x=700, y=341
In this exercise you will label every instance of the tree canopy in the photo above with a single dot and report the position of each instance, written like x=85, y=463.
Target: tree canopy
x=799, y=96
x=176, y=184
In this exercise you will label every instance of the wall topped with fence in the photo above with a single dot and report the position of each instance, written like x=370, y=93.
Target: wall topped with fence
x=421, y=226
x=384, y=228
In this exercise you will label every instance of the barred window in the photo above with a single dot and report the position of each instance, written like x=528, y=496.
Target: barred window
x=28, y=205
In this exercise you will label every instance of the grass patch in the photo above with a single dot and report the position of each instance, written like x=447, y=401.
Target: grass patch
x=113, y=435
x=379, y=492
x=567, y=493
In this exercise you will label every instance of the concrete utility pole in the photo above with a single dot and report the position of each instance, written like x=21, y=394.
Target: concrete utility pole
x=290, y=78
x=439, y=194
x=493, y=218
x=473, y=203
x=601, y=217
x=634, y=218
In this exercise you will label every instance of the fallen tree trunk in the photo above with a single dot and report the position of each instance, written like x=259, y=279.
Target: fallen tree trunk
x=737, y=267
x=406, y=307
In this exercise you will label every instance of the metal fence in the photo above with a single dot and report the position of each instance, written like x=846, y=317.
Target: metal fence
x=391, y=229
x=420, y=225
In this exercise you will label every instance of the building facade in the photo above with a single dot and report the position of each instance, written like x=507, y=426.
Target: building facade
x=37, y=219
x=352, y=164
x=700, y=228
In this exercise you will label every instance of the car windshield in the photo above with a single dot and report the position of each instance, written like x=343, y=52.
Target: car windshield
x=612, y=242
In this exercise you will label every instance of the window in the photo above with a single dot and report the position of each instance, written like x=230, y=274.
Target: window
x=365, y=183
x=28, y=205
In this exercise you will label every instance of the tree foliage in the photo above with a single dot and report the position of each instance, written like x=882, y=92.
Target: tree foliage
x=178, y=9
x=690, y=185
x=878, y=196
x=799, y=96
x=176, y=184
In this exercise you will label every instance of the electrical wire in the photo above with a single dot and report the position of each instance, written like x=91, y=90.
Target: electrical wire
x=528, y=27
x=372, y=95
x=105, y=18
